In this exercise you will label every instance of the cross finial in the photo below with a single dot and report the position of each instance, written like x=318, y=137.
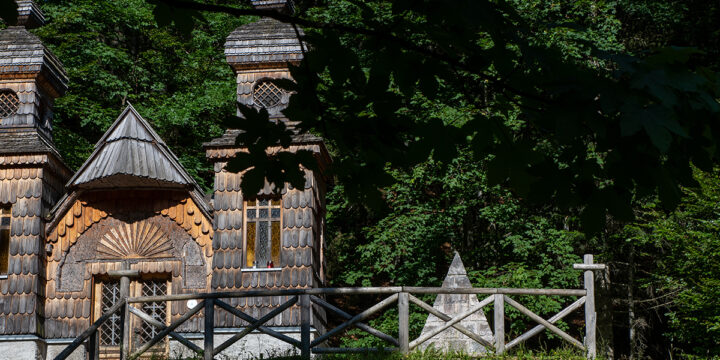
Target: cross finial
x=588, y=264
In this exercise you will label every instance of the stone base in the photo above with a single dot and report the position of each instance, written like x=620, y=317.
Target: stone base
x=11, y=349
x=452, y=340
x=252, y=346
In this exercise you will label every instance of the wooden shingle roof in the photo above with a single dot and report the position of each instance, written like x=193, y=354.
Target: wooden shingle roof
x=227, y=140
x=21, y=52
x=25, y=142
x=264, y=43
x=131, y=154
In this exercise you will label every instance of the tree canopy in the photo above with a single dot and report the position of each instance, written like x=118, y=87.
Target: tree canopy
x=560, y=111
x=507, y=130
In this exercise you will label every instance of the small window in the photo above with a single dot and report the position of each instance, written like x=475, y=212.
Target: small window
x=4, y=239
x=262, y=233
x=9, y=103
x=267, y=94
x=110, y=330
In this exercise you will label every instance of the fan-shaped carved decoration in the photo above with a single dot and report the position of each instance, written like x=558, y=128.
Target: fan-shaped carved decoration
x=141, y=239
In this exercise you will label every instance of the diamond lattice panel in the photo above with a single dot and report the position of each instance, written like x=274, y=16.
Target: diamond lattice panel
x=111, y=330
x=9, y=103
x=267, y=94
x=158, y=310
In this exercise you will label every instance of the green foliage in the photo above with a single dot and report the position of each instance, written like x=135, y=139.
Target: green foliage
x=491, y=128
x=683, y=283
x=432, y=354
x=434, y=209
x=115, y=53
x=608, y=124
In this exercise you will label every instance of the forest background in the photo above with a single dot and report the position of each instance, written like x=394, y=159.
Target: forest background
x=661, y=298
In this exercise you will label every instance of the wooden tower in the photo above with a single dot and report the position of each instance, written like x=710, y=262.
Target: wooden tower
x=32, y=174
x=269, y=239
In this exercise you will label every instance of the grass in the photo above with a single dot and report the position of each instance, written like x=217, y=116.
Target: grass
x=430, y=354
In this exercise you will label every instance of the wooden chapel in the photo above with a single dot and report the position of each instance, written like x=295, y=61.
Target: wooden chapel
x=133, y=209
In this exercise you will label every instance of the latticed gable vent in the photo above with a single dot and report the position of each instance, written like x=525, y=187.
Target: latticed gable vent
x=266, y=94
x=9, y=103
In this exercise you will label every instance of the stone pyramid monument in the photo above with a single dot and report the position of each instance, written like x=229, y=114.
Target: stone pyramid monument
x=453, y=305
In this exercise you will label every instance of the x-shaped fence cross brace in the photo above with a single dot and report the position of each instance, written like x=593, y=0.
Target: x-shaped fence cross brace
x=231, y=309
x=544, y=323
x=370, y=330
x=154, y=322
x=254, y=324
x=446, y=318
x=165, y=330
x=355, y=319
x=451, y=322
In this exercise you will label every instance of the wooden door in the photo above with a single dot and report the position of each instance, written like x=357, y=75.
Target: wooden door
x=107, y=294
x=142, y=331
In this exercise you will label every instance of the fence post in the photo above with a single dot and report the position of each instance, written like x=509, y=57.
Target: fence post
x=93, y=347
x=305, y=327
x=590, y=315
x=499, y=312
x=209, y=345
x=124, y=313
x=404, y=322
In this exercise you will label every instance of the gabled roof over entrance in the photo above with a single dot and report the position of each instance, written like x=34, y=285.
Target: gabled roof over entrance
x=131, y=155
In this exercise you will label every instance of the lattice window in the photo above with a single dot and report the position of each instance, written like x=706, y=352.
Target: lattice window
x=111, y=330
x=9, y=103
x=262, y=233
x=158, y=309
x=5, y=215
x=267, y=94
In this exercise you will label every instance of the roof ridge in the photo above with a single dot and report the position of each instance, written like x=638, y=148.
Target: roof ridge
x=150, y=158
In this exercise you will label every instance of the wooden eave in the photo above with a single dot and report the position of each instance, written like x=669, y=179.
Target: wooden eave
x=149, y=155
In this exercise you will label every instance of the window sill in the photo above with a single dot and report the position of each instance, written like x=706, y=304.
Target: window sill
x=261, y=269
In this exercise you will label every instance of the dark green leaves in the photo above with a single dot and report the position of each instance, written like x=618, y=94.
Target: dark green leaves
x=8, y=11
x=267, y=157
x=389, y=85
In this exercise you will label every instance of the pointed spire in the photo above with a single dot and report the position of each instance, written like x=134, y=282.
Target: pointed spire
x=131, y=154
x=457, y=267
x=454, y=305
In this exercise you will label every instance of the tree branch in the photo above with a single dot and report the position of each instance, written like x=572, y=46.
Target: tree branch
x=380, y=34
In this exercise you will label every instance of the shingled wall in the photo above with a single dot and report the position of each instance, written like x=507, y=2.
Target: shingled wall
x=29, y=183
x=301, y=260
x=246, y=81
x=68, y=313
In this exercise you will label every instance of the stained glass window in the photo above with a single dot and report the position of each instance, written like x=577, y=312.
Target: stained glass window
x=262, y=233
x=4, y=239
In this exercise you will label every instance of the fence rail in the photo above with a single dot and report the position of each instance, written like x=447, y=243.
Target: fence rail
x=401, y=297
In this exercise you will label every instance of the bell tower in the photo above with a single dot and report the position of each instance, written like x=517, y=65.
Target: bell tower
x=277, y=235
x=31, y=77
x=32, y=175
x=261, y=51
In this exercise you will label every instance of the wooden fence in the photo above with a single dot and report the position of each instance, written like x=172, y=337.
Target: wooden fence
x=398, y=296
